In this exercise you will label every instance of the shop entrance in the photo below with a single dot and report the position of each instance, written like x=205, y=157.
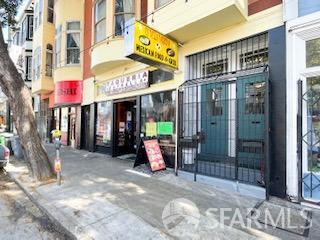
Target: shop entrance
x=85, y=126
x=309, y=138
x=125, y=128
x=223, y=130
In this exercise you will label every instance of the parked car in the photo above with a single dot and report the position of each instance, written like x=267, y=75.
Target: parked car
x=4, y=156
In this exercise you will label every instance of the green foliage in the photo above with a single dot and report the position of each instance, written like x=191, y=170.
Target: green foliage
x=8, y=11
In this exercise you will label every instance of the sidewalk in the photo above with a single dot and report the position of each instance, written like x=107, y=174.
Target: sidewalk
x=104, y=198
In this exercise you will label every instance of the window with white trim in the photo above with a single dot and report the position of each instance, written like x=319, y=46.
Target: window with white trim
x=16, y=38
x=50, y=11
x=100, y=20
x=36, y=9
x=160, y=3
x=124, y=10
x=49, y=60
x=313, y=53
x=73, y=42
x=28, y=75
x=36, y=63
x=30, y=27
x=24, y=30
x=40, y=12
x=57, y=49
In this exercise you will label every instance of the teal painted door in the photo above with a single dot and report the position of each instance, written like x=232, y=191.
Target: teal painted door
x=251, y=126
x=214, y=119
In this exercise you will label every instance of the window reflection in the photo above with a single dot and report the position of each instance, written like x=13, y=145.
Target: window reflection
x=255, y=98
x=104, y=121
x=159, y=110
x=313, y=52
x=313, y=123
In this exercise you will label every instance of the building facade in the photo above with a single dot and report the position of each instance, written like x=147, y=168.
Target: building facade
x=215, y=103
x=20, y=49
x=68, y=70
x=303, y=76
x=42, y=65
x=224, y=69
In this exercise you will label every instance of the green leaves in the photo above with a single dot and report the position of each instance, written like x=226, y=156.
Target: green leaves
x=8, y=11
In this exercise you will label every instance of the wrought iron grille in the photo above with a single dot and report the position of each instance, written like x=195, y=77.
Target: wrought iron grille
x=309, y=137
x=244, y=54
x=224, y=112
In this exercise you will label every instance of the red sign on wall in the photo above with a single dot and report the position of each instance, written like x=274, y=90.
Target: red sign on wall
x=68, y=92
x=154, y=155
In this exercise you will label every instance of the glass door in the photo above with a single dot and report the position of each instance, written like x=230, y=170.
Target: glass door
x=251, y=128
x=310, y=127
x=311, y=139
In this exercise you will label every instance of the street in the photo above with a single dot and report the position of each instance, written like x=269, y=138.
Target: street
x=19, y=217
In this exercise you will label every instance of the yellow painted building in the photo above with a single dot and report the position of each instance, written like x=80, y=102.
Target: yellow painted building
x=58, y=66
x=43, y=41
x=69, y=19
x=121, y=98
x=195, y=25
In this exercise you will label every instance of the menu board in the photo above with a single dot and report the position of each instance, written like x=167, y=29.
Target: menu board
x=154, y=155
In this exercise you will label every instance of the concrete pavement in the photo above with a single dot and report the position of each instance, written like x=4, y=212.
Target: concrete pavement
x=104, y=198
x=20, y=218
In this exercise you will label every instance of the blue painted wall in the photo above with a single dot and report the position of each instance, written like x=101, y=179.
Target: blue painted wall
x=308, y=6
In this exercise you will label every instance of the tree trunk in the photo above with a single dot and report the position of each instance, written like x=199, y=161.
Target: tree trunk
x=20, y=101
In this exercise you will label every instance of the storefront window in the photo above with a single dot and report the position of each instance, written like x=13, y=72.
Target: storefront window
x=313, y=52
x=158, y=76
x=104, y=123
x=158, y=113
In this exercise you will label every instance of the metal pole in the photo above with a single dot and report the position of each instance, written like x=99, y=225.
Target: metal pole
x=267, y=138
x=59, y=172
x=299, y=139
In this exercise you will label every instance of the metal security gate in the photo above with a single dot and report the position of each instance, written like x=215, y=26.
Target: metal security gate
x=309, y=138
x=223, y=126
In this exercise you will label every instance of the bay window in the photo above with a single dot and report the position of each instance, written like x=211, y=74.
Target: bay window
x=28, y=75
x=40, y=12
x=100, y=20
x=36, y=63
x=160, y=3
x=49, y=56
x=24, y=30
x=50, y=10
x=124, y=10
x=73, y=42
x=57, y=56
x=30, y=27
x=36, y=9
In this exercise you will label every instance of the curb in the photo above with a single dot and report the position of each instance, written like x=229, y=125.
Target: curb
x=59, y=227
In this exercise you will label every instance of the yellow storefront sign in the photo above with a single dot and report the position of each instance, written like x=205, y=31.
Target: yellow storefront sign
x=148, y=46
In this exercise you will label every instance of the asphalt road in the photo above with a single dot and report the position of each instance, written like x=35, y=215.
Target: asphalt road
x=20, y=218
